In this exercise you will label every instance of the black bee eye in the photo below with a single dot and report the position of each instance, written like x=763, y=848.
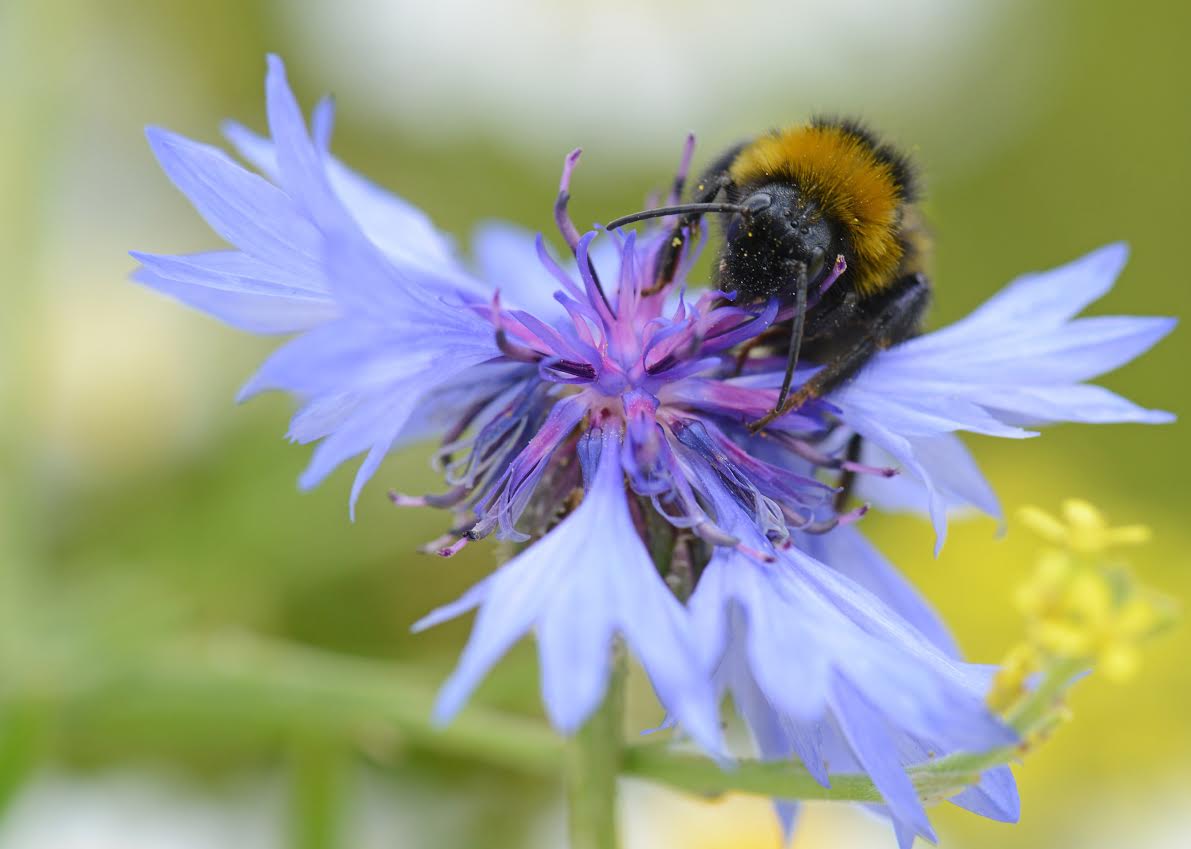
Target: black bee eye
x=818, y=260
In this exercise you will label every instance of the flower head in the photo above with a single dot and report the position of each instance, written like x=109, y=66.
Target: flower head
x=604, y=420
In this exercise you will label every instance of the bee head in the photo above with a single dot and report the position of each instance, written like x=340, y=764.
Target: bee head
x=764, y=245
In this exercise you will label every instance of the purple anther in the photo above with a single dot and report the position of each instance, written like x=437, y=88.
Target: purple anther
x=862, y=469
x=454, y=548
x=561, y=218
x=684, y=169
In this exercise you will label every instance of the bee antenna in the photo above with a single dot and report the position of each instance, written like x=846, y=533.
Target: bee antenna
x=678, y=209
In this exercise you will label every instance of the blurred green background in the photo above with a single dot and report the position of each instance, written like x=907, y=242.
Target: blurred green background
x=169, y=603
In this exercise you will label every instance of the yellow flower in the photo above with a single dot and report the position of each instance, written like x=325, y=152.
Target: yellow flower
x=1045, y=588
x=1079, y=607
x=1084, y=530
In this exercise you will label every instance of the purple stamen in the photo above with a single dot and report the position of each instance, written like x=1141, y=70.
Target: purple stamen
x=518, y=353
x=713, y=534
x=837, y=270
x=801, y=448
x=556, y=270
x=454, y=548
x=437, y=544
x=759, y=556
x=566, y=226
x=595, y=292
x=744, y=330
x=513, y=351
x=444, y=500
x=854, y=515
x=561, y=217
x=684, y=169
x=862, y=469
x=839, y=520
x=574, y=372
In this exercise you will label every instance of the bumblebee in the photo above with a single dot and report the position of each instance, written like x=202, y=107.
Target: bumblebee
x=795, y=200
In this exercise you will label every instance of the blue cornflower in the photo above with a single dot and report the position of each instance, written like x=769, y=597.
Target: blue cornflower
x=586, y=413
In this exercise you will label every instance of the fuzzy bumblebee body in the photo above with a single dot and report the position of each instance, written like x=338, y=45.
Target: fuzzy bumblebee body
x=841, y=172
x=822, y=218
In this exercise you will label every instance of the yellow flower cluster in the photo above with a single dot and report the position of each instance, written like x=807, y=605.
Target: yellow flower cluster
x=1081, y=606
x=1085, y=531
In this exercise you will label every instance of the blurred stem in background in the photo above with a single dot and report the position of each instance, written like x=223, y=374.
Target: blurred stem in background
x=593, y=765
x=319, y=790
x=327, y=704
x=39, y=48
x=35, y=94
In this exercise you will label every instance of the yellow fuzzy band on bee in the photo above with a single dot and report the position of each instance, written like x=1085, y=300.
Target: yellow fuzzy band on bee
x=842, y=173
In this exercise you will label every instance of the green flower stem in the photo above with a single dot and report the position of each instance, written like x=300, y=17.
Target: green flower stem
x=700, y=776
x=934, y=780
x=1035, y=709
x=593, y=762
x=243, y=685
x=247, y=685
x=24, y=729
x=318, y=792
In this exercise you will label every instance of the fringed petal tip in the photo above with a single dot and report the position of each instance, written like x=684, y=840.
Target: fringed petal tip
x=576, y=595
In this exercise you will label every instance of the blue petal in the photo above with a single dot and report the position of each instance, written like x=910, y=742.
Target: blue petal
x=253, y=147
x=367, y=282
x=776, y=739
x=847, y=551
x=243, y=208
x=1079, y=403
x=371, y=427
x=905, y=834
x=344, y=356
x=867, y=734
x=1029, y=354
x=903, y=451
x=303, y=174
x=239, y=290
x=949, y=466
x=794, y=681
x=322, y=123
x=397, y=227
x=995, y=797
x=1016, y=362
x=914, y=409
x=588, y=579
x=1040, y=299
x=510, y=601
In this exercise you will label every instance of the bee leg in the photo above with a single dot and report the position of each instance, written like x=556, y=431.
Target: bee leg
x=876, y=323
x=713, y=181
x=796, y=329
x=847, y=479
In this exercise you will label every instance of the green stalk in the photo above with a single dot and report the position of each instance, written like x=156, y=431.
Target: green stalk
x=935, y=780
x=258, y=687
x=593, y=762
x=318, y=792
x=1035, y=708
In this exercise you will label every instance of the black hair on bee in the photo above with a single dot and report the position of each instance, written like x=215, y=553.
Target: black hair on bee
x=824, y=209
